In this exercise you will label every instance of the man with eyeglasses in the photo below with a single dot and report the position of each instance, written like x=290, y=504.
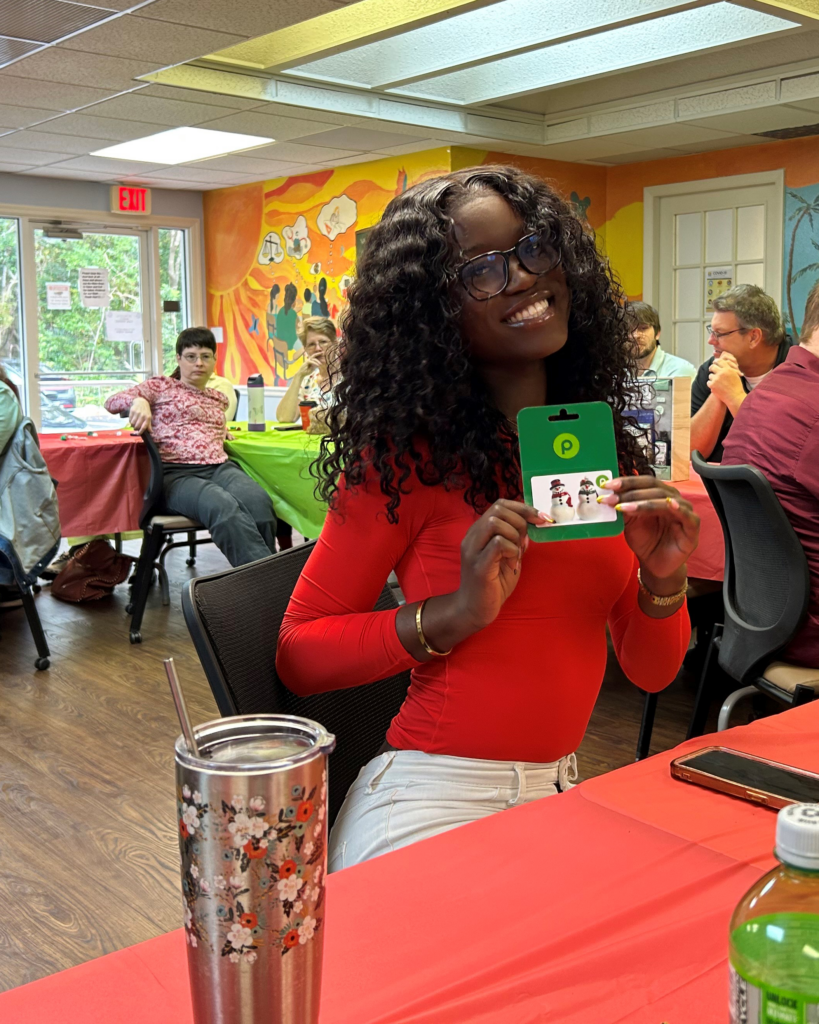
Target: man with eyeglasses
x=187, y=421
x=748, y=340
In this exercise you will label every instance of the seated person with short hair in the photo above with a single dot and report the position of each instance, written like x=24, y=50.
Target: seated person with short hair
x=187, y=421
x=777, y=431
x=748, y=341
x=651, y=359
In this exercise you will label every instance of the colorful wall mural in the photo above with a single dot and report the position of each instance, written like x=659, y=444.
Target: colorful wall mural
x=279, y=250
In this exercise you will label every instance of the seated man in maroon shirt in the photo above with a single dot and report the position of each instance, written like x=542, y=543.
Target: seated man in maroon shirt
x=777, y=431
x=187, y=421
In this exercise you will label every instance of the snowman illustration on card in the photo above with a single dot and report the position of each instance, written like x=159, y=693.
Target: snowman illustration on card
x=587, y=504
x=561, y=509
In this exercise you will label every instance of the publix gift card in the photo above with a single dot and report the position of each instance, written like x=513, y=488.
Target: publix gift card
x=567, y=453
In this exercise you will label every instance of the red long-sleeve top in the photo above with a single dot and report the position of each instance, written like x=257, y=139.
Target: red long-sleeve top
x=523, y=688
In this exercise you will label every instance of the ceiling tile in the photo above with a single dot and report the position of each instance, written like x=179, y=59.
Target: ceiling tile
x=55, y=64
x=187, y=186
x=761, y=119
x=600, y=148
x=47, y=20
x=809, y=104
x=45, y=142
x=140, y=39
x=133, y=106
x=56, y=171
x=325, y=118
x=112, y=168
x=48, y=95
x=249, y=17
x=249, y=165
x=292, y=152
x=195, y=172
x=411, y=147
x=731, y=142
x=356, y=138
x=12, y=168
x=99, y=127
x=175, y=92
x=11, y=49
x=32, y=157
x=663, y=136
x=272, y=127
x=20, y=117
x=639, y=157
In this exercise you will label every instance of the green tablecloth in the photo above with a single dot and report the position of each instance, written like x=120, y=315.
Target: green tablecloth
x=280, y=461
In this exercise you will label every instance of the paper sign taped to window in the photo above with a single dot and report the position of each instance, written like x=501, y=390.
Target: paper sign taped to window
x=94, y=289
x=123, y=326
x=58, y=295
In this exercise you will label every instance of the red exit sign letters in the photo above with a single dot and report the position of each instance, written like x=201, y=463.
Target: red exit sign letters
x=126, y=199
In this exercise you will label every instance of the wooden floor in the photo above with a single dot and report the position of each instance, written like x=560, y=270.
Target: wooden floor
x=88, y=847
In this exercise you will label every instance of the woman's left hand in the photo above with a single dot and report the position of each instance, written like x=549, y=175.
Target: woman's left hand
x=662, y=528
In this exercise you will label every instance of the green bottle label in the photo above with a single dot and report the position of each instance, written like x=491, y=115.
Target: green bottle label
x=764, y=1004
x=774, y=967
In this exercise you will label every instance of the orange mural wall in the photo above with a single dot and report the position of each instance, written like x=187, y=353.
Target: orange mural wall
x=279, y=250
x=269, y=244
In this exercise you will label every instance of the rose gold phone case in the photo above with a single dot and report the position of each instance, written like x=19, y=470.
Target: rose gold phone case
x=686, y=773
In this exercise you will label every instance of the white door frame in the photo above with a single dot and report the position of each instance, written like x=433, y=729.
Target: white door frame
x=652, y=195
x=147, y=227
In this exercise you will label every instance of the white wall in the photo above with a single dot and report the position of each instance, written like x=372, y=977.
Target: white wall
x=30, y=190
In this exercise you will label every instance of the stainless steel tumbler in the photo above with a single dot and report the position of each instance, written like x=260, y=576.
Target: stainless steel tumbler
x=253, y=838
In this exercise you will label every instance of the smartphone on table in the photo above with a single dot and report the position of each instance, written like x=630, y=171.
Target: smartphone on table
x=757, y=779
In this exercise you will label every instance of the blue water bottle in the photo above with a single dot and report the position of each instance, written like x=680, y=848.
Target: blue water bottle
x=255, y=402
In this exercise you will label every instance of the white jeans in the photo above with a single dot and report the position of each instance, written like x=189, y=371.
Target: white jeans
x=405, y=795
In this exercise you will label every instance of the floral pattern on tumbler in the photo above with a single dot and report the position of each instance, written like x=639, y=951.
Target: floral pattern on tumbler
x=278, y=852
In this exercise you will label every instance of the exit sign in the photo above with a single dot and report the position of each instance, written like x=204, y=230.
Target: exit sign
x=125, y=199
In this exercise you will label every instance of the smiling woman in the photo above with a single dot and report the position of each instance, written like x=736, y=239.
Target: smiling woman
x=479, y=294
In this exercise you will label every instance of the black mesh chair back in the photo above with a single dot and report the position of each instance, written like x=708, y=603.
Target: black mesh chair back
x=234, y=619
x=767, y=583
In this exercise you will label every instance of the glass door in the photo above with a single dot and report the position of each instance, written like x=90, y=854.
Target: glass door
x=92, y=334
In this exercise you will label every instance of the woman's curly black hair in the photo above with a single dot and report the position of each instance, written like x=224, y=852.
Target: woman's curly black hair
x=408, y=398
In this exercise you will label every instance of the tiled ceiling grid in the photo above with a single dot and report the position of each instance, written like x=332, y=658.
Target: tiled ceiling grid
x=73, y=90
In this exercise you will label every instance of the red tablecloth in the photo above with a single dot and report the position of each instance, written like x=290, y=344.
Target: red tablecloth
x=101, y=481
x=610, y=903
x=708, y=561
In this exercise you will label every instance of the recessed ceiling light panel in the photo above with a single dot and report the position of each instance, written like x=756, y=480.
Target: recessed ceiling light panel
x=182, y=146
x=463, y=39
x=672, y=35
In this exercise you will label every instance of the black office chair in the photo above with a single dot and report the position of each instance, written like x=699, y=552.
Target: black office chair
x=766, y=593
x=234, y=619
x=159, y=527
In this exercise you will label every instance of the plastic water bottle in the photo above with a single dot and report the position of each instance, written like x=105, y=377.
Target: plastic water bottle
x=774, y=954
x=255, y=402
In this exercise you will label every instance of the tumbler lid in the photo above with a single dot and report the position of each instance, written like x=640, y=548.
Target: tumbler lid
x=248, y=744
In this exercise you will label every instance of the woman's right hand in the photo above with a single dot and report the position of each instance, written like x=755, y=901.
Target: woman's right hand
x=140, y=415
x=309, y=364
x=491, y=559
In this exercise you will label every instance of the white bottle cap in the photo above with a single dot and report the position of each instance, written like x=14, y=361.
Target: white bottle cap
x=797, y=836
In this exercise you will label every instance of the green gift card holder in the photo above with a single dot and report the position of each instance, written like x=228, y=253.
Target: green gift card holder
x=567, y=453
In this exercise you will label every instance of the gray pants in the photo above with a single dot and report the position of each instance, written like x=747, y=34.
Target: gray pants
x=233, y=507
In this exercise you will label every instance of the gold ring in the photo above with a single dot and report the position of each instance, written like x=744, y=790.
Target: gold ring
x=669, y=500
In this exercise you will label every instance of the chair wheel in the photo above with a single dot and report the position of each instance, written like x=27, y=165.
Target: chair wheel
x=41, y=663
x=190, y=561
x=135, y=637
x=129, y=608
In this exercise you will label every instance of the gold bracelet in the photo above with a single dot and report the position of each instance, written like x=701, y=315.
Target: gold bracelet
x=422, y=638
x=662, y=602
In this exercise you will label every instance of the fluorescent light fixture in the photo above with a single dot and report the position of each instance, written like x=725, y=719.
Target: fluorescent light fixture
x=182, y=146
x=672, y=35
x=466, y=39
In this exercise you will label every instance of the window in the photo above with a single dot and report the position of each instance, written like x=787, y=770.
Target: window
x=173, y=288
x=11, y=334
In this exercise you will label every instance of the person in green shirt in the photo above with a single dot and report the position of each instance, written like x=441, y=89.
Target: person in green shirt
x=652, y=360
